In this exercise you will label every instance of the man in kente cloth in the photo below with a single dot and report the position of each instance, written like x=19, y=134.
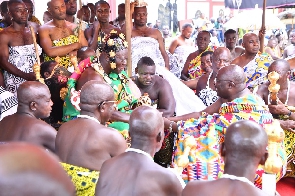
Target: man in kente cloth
x=17, y=55
x=254, y=63
x=244, y=148
x=77, y=140
x=286, y=116
x=57, y=37
x=146, y=41
x=209, y=130
x=114, y=60
x=192, y=69
x=101, y=28
x=138, y=174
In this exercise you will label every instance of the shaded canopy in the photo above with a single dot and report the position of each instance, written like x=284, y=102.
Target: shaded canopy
x=248, y=4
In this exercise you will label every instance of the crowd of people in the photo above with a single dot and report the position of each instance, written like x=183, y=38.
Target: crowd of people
x=65, y=91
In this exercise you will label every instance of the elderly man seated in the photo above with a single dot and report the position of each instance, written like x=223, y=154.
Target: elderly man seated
x=209, y=130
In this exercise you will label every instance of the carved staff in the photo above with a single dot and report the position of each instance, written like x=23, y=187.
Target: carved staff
x=36, y=66
x=263, y=27
x=128, y=36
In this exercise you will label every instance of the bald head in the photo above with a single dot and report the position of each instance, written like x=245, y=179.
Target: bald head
x=251, y=43
x=146, y=123
x=94, y=92
x=84, y=53
x=221, y=57
x=233, y=73
x=30, y=91
x=36, y=171
x=279, y=65
x=245, y=140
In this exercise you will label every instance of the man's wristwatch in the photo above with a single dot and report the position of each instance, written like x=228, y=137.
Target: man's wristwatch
x=287, y=116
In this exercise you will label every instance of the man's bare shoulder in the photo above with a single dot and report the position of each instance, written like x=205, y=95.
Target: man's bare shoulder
x=237, y=60
x=195, y=188
x=5, y=34
x=239, y=49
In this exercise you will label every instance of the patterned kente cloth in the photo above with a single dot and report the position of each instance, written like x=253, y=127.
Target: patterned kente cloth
x=145, y=46
x=194, y=67
x=8, y=103
x=23, y=58
x=65, y=60
x=72, y=99
x=125, y=100
x=289, y=142
x=256, y=70
x=181, y=53
x=84, y=179
x=209, y=132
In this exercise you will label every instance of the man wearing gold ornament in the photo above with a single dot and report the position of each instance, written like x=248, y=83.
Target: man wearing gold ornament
x=95, y=35
x=284, y=110
x=205, y=162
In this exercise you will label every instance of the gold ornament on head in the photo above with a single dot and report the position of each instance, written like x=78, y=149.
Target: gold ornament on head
x=113, y=65
x=112, y=54
x=110, y=42
x=122, y=36
x=113, y=31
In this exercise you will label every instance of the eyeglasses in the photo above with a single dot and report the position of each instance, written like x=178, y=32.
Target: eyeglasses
x=115, y=103
x=217, y=81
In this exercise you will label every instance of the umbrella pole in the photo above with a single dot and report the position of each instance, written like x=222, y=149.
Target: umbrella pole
x=262, y=27
x=128, y=36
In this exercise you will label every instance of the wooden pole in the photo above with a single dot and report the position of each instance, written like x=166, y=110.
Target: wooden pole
x=263, y=27
x=80, y=6
x=35, y=44
x=128, y=35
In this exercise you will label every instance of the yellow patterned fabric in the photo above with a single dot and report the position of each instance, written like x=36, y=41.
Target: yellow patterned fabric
x=84, y=179
x=289, y=142
x=257, y=69
x=65, y=60
x=36, y=20
x=194, y=67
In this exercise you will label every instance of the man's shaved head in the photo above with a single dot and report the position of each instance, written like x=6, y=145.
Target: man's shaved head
x=221, y=57
x=251, y=43
x=94, y=92
x=279, y=65
x=245, y=140
x=146, y=124
x=36, y=171
x=30, y=91
x=247, y=36
x=233, y=73
x=85, y=52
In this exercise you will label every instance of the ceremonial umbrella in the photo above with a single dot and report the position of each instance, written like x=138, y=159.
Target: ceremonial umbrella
x=251, y=20
x=287, y=17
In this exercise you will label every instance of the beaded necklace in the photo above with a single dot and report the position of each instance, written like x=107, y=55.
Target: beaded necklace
x=242, y=179
x=88, y=117
x=139, y=152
